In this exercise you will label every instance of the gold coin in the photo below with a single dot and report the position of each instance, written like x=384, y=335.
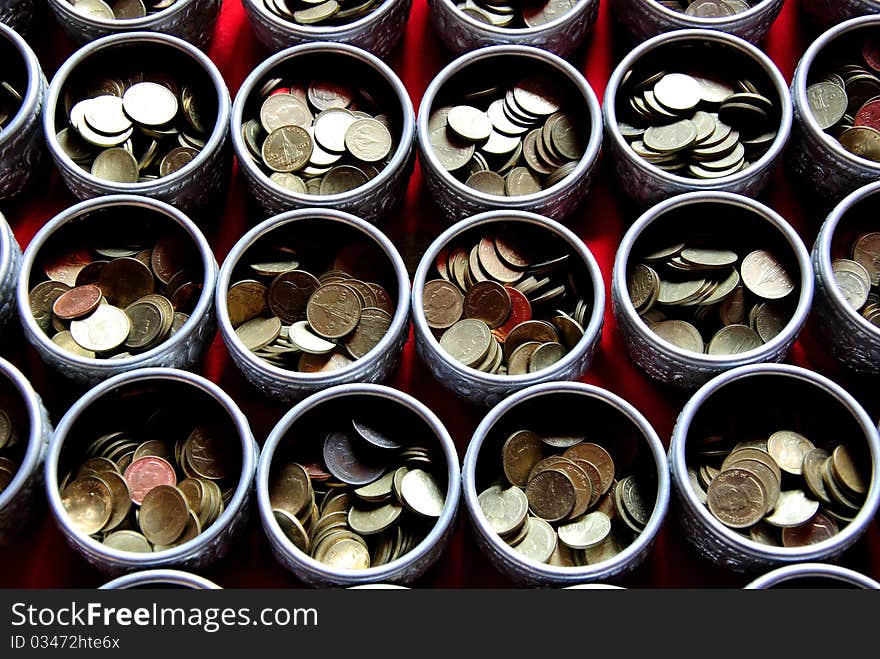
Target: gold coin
x=88, y=503
x=422, y=494
x=163, y=515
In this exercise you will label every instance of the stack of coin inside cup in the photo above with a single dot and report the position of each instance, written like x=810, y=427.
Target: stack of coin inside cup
x=129, y=126
x=370, y=498
x=311, y=306
x=323, y=13
x=704, y=297
x=858, y=278
x=516, y=14
x=708, y=8
x=560, y=503
x=156, y=484
x=10, y=102
x=119, y=9
x=704, y=123
x=11, y=447
x=498, y=302
x=844, y=93
x=109, y=296
x=320, y=136
x=781, y=490
x=509, y=136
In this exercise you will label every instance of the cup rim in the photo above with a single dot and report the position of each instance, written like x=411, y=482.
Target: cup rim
x=729, y=41
x=6, y=239
x=34, y=83
x=318, y=31
x=387, y=571
x=601, y=570
x=715, y=22
x=180, y=552
x=160, y=576
x=127, y=39
x=770, y=216
x=73, y=213
x=678, y=463
x=586, y=162
x=143, y=22
x=577, y=246
x=398, y=321
x=780, y=576
x=571, y=16
x=248, y=87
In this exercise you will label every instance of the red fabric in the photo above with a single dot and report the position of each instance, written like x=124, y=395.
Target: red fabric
x=41, y=557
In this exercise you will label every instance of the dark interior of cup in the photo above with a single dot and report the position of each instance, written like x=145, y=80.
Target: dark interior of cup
x=859, y=219
x=15, y=75
x=14, y=430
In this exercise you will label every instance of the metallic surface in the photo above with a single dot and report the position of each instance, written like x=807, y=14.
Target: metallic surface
x=486, y=388
x=836, y=576
x=10, y=267
x=528, y=572
x=19, y=14
x=162, y=578
x=826, y=13
x=456, y=200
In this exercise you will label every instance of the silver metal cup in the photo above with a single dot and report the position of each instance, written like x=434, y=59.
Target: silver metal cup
x=758, y=397
x=21, y=140
x=455, y=199
x=375, y=366
x=823, y=165
x=17, y=500
x=853, y=340
x=625, y=427
x=322, y=406
x=10, y=267
x=215, y=541
x=195, y=189
x=486, y=388
x=181, y=350
x=461, y=34
x=676, y=218
x=645, y=184
x=161, y=578
x=812, y=574
x=376, y=198
x=826, y=13
x=378, y=32
x=19, y=14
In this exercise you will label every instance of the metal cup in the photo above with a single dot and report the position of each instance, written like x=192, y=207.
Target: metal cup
x=643, y=19
x=623, y=426
x=645, y=184
x=195, y=189
x=17, y=500
x=826, y=13
x=378, y=32
x=10, y=267
x=823, y=165
x=181, y=350
x=461, y=34
x=853, y=340
x=19, y=14
x=314, y=414
x=455, y=199
x=813, y=575
x=160, y=578
x=486, y=388
x=215, y=541
x=769, y=394
x=375, y=199
x=375, y=366
x=21, y=140
x=191, y=20
x=676, y=218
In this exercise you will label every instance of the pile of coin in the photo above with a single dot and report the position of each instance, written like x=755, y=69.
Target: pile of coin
x=782, y=490
x=516, y=14
x=370, y=500
x=703, y=298
x=296, y=320
x=149, y=495
x=322, y=13
x=509, y=139
x=9, y=449
x=496, y=303
x=858, y=279
x=119, y=9
x=319, y=137
x=134, y=127
x=10, y=102
x=117, y=300
x=559, y=502
x=707, y=8
x=845, y=96
x=697, y=125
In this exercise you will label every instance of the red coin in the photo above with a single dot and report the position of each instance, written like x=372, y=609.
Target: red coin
x=77, y=302
x=871, y=52
x=869, y=115
x=520, y=311
x=146, y=473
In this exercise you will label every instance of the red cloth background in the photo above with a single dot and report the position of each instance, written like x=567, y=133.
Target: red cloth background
x=41, y=557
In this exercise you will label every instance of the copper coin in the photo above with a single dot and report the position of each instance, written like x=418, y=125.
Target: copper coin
x=488, y=301
x=494, y=266
x=869, y=115
x=871, y=51
x=583, y=487
x=145, y=474
x=333, y=361
x=65, y=267
x=818, y=529
x=245, y=300
x=598, y=457
x=551, y=495
x=289, y=294
x=126, y=280
x=520, y=453
x=370, y=330
x=530, y=330
x=513, y=248
x=442, y=303
x=333, y=311
x=77, y=302
x=736, y=498
x=172, y=254
x=520, y=312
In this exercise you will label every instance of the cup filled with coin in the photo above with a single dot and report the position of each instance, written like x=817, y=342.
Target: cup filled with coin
x=562, y=499
x=749, y=19
x=559, y=26
x=504, y=300
x=310, y=299
x=150, y=469
x=835, y=89
x=813, y=576
x=693, y=300
x=87, y=20
x=141, y=113
x=510, y=127
x=792, y=479
x=117, y=283
x=846, y=259
x=22, y=87
x=358, y=484
x=695, y=110
x=325, y=125
x=160, y=579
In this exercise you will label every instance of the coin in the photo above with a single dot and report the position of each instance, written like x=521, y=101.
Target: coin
x=789, y=449
x=421, y=493
x=163, y=515
x=848, y=471
x=104, y=330
x=130, y=541
x=818, y=529
x=539, y=542
x=521, y=452
x=587, y=531
x=736, y=498
x=88, y=504
x=792, y=509
x=145, y=474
